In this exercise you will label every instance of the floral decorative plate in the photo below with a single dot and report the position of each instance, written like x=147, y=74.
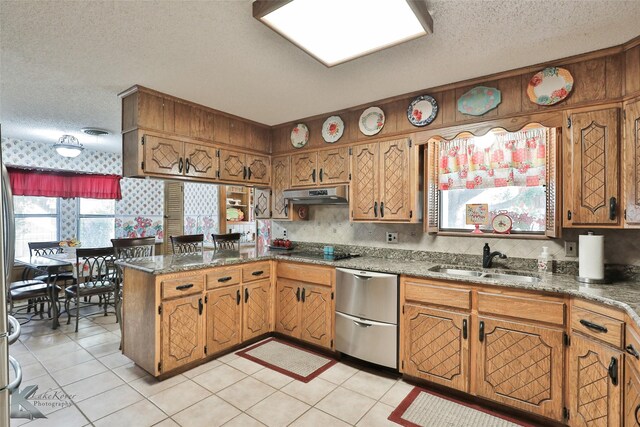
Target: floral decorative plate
x=422, y=110
x=502, y=224
x=332, y=129
x=479, y=100
x=550, y=86
x=299, y=135
x=371, y=121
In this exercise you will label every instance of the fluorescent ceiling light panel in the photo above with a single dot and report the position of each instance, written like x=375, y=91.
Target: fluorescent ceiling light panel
x=336, y=31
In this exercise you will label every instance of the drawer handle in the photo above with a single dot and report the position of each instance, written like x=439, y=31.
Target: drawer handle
x=257, y=273
x=464, y=329
x=632, y=351
x=298, y=295
x=481, y=332
x=238, y=297
x=302, y=296
x=594, y=326
x=613, y=371
x=184, y=287
x=224, y=279
x=362, y=324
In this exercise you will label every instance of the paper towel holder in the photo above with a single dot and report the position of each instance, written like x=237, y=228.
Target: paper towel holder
x=588, y=280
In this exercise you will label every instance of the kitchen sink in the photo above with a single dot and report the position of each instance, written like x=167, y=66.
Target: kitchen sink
x=456, y=271
x=463, y=272
x=511, y=277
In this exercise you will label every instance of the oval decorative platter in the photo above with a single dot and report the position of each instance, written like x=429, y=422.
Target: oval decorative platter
x=550, y=86
x=502, y=224
x=299, y=135
x=479, y=100
x=422, y=110
x=332, y=129
x=371, y=121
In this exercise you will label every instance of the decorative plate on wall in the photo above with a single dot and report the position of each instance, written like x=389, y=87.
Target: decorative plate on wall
x=422, y=110
x=371, y=121
x=479, y=100
x=502, y=224
x=299, y=135
x=550, y=86
x=332, y=129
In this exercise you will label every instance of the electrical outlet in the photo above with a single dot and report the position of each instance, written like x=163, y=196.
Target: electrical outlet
x=284, y=233
x=392, y=237
x=571, y=249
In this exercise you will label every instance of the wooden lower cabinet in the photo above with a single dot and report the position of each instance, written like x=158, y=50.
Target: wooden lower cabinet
x=631, y=393
x=256, y=312
x=317, y=315
x=521, y=365
x=287, y=308
x=437, y=346
x=595, y=383
x=181, y=332
x=224, y=318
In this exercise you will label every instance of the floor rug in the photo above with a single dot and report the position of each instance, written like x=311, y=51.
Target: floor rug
x=422, y=408
x=288, y=359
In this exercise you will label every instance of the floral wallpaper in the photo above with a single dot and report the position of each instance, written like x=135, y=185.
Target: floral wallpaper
x=201, y=206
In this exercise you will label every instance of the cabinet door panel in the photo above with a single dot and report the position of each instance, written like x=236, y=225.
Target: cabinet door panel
x=182, y=118
x=182, y=338
x=163, y=155
x=288, y=307
x=237, y=133
x=364, y=182
x=521, y=365
x=224, y=317
x=281, y=181
x=436, y=348
x=317, y=327
x=595, y=400
x=256, y=310
x=259, y=169
x=631, y=395
x=395, y=188
x=594, y=177
x=262, y=203
x=200, y=161
x=303, y=169
x=201, y=124
x=150, y=111
x=631, y=174
x=232, y=165
x=333, y=166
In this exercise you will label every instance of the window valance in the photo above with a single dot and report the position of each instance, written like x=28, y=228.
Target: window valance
x=493, y=160
x=50, y=183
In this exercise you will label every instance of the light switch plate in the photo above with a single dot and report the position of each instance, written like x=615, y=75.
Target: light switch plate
x=392, y=238
x=571, y=249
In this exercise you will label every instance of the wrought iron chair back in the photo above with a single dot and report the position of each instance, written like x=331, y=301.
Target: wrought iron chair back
x=229, y=241
x=187, y=244
x=135, y=247
x=44, y=248
x=95, y=268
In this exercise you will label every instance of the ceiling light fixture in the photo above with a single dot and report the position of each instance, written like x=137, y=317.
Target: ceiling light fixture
x=336, y=31
x=68, y=146
x=95, y=131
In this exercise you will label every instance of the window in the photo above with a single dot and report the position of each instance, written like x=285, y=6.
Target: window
x=96, y=222
x=36, y=221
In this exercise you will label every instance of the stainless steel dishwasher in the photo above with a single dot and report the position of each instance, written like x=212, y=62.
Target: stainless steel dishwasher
x=367, y=316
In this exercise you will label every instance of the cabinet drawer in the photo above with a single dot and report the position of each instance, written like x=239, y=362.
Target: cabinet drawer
x=223, y=277
x=598, y=326
x=182, y=286
x=437, y=295
x=632, y=346
x=260, y=270
x=522, y=307
x=306, y=273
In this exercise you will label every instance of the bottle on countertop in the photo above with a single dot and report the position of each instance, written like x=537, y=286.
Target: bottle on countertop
x=545, y=261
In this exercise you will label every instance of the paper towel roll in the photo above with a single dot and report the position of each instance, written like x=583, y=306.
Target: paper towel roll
x=591, y=250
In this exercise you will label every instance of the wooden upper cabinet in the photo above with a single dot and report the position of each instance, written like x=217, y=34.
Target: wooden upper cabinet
x=262, y=203
x=200, y=161
x=258, y=169
x=182, y=118
x=592, y=169
x=395, y=174
x=596, y=383
x=233, y=165
x=182, y=332
x=221, y=128
x=304, y=168
x=150, y=111
x=163, y=155
x=363, y=199
x=202, y=124
x=631, y=153
x=237, y=133
x=333, y=166
x=521, y=365
x=281, y=180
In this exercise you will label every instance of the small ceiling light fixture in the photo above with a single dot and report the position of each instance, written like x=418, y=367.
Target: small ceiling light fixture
x=68, y=146
x=337, y=31
x=95, y=131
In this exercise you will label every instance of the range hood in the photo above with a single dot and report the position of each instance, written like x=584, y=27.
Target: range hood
x=338, y=195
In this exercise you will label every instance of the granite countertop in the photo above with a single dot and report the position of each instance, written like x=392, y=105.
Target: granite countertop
x=620, y=294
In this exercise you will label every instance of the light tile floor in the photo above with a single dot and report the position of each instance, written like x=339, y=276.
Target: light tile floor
x=83, y=379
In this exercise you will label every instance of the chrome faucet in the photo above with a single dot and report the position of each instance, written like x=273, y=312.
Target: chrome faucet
x=488, y=256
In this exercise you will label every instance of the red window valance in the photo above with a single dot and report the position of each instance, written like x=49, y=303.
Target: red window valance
x=48, y=183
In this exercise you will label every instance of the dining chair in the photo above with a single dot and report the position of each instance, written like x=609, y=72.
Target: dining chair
x=34, y=292
x=50, y=248
x=96, y=276
x=187, y=244
x=128, y=247
x=229, y=241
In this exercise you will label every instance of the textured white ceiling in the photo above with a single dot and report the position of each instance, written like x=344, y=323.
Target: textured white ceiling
x=64, y=62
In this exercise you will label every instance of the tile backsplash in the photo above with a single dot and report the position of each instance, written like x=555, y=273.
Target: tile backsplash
x=330, y=224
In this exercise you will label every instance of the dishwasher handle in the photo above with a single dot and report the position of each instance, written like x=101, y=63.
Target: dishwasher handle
x=362, y=277
x=358, y=321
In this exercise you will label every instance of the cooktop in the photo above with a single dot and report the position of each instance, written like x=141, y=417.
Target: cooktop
x=319, y=255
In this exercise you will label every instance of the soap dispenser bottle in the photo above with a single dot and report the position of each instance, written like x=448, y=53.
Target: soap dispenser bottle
x=545, y=261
